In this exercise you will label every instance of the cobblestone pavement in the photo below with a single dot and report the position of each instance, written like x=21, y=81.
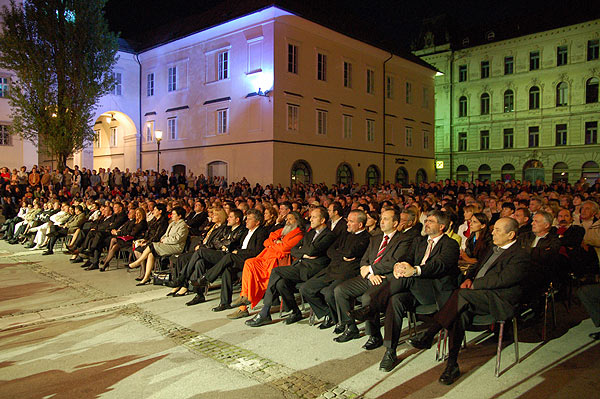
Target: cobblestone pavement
x=40, y=293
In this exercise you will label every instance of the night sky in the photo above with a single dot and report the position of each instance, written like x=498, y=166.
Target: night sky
x=377, y=21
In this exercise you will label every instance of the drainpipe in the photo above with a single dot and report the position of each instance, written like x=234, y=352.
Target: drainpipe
x=451, y=114
x=384, y=132
x=137, y=58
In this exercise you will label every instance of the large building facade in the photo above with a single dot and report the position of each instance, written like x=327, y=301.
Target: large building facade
x=272, y=97
x=522, y=108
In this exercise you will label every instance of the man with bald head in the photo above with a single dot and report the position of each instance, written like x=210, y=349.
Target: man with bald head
x=493, y=287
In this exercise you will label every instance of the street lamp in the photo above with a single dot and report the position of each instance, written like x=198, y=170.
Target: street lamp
x=158, y=136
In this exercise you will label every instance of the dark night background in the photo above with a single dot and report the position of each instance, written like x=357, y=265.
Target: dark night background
x=389, y=24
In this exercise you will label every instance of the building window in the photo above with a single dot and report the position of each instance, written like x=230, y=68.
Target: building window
x=293, y=112
x=401, y=176
x=118, y=84
x=389, y=87
x=347, y=75
x=562, y=93
x=172, y=83
x=462, y=73
x=485, y=104
x=97, y=142
x=485, y=172
x=462, y=141
x=292, y=58
x=534, y=97
x=321, y=67
x=370, y=81
x=370, y=130
x=421, y=176
x=150, y=85
x=485, y=69
x=4, y=135
x=114, y=137
x=509, y=138
x=426, y=97
x=3, y=87
x=344, y=174
x=321, y=122
x=591, y=91
x=348, y=126
x=591, y=132
x=462, y=106
x=425, y=139
x=372, y=176
x=149, y=131
x=222, y=121
x=223, y=65
x=561, y=55
x=408, y=93
x=534, y=60
x=592, y=50
x=409, y=136
x=484, y=140
x=172, y=128
x=509, y=101
x=509, y=65
x=462, y=173
x=301, y=172
x=534, y=136
x=561, y=134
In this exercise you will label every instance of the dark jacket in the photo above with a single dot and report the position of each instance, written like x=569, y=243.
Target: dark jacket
x=156, y=229
x=256, y=243
x=349, y=246
x=398, y=247
x=340, y=227
x=196, y=221
x=309, y=247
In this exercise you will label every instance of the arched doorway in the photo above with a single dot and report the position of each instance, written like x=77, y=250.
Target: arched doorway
x=508, y=172
x=484, y=172
x=301, y=172
x=179, y=169
x=217, y=169
x=590, y=172
x=421, y=176
x=560, y=172
x=401, y=176
x=372, y=176
x=462, y=173
x=112, y=130
x=533, y=170
x=344, y=174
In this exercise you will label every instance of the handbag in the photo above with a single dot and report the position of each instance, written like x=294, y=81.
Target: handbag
x=161, y=278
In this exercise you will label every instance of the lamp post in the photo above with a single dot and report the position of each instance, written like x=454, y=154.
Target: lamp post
x=158, y=136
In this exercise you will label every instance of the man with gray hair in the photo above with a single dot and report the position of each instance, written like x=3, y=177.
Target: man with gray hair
x=588, y=219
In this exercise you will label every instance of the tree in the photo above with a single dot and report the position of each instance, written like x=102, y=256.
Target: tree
x=62, y=54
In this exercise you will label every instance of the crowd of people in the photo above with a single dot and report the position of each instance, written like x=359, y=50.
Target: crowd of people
x=467, y=248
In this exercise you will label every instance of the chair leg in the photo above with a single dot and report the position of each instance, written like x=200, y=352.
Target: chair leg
x=516, y=339
x=499, y=350
x=280, y=309
x=438, y=354
x=445, y=352
x=545, y=318
x=553, y=308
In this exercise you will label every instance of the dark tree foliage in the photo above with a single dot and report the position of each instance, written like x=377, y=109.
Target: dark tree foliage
x=62, y=54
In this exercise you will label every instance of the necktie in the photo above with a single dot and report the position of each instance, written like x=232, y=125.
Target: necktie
x=486, y=266
x=381, y=249
x=427, y=251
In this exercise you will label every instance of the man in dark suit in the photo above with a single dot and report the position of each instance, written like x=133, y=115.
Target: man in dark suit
x=426, y=275
x=311, y=257
x=493, y=287
x=252, y=243
x=345, y=255
x=99, y=238
x=376, y=265
x=577, y=260
x=337, y=223
x=197, y=218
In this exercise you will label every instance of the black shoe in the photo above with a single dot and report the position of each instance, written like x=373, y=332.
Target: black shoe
x=143, y=283
x=339, y=328
x=595, y=335
x=451, y=374
x=196, y=300
x=177, y=294
x=362, y=314
x=258, y=321
x=29, y=246
x=78, y=259
x=92, y=266
x=87, y=264
x=293, y=318
x=389, y=361
x=201, y=284
x=327, y=323
x=104, y=267
x=48, y=252
x=421, y=342
x=373, y=342
x=348, y=335
x=221, y=307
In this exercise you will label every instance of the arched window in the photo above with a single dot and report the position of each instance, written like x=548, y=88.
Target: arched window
x=560, y=172
x=402, y=176
x=372, y=176
x=591, y=91
x=485, y=172
x=179, y=169
x=485, y=104
x=562, y=94
x=462, y=106
x=421, y=176
x=462, y=173
x=509, y=101
x=534, y=97
x=533, y=170
x=301, y=172
x=344, y=174
x=508, y=172
x=217, y=169
x=590, y=172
